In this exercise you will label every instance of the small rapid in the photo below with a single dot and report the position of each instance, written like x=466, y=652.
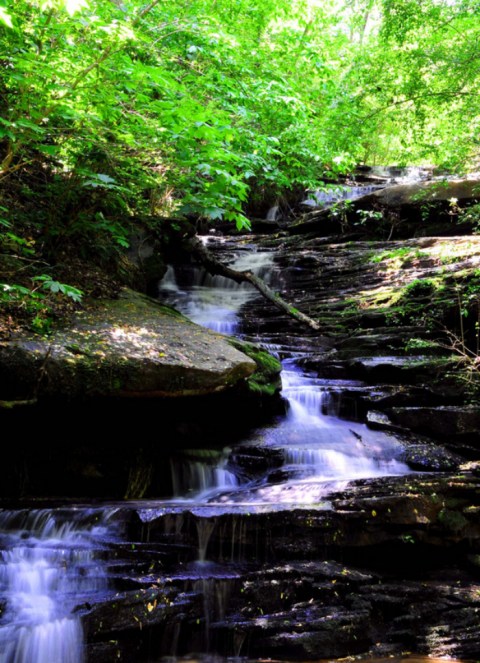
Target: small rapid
x=49, y=564
x=320, y=451
x=215, y=301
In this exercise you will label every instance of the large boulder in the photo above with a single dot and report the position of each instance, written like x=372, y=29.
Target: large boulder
x=132, y=346
x=461, y=190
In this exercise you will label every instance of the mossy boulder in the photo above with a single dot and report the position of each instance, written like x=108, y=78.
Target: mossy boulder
x=265, y=381
x=131, y=346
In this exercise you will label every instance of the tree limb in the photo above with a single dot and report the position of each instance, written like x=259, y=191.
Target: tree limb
x=5, y=164
x=194, y=246
x=146, y=10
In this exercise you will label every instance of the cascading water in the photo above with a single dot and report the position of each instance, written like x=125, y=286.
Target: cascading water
x=48, y=566
x=330, y=446
x=337, y=194
x=56, y=565
x=215, y=301
x=320, y=452
x=391, y=176
x=197, y=476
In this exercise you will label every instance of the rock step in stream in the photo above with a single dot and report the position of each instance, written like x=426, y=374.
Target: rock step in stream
x=311, y=538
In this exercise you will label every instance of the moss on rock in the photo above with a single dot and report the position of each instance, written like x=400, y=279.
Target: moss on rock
x=265, y=381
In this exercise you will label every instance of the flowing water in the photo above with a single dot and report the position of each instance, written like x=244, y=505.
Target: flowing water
x=215, y=301
x=53, y=560
x=320, y=452
x=341, y=193
x=338, y=194
x=49, y=565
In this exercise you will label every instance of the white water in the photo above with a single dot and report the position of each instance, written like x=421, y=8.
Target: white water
x=337, y=194
x=331, y=447
x=273, y=213
x=198, y=476
x=214, y=301
x=321, y=452
x=393, y=175
x=47, y=566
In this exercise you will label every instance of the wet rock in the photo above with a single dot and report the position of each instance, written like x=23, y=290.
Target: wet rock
x=445, y=422
x=380, y=421
x=139, y=609
x=402, y=369
x=389, y=565
x=420, y=193
x=430, y=458
x=253, y=461
x=473, y=467
x=406, y=210
x=369, y=345
x=113, y=651
x=304, y=633
x=136, y=624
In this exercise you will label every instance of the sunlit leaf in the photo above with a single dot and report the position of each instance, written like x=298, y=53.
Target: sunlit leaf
x=73, y=6
x=5, y=17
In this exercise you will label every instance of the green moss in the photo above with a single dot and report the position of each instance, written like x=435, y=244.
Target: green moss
x=266, y=379
x=263, y=389
x=401, y=252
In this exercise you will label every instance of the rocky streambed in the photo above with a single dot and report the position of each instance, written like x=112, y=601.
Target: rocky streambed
x=341, y=521
x=387, y=566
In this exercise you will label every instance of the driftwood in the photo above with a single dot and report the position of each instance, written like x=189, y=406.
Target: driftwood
x=195, y=247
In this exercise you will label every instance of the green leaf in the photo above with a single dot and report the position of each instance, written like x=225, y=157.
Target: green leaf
x=51, y=150
x=5, y=17
x=213, y=212
x=106, y=179
x=56, y=287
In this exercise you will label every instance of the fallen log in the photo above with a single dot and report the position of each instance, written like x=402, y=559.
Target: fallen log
x=195, y=247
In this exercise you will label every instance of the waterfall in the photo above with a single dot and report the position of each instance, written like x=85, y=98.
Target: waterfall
x=197, y=477
x=205, y=529
x=392, y=175
x=47, y=567
x=273, y=213
x=215, y=301
x=338, y=194
x=324, y=446
x=317, y=447
x=169, y=281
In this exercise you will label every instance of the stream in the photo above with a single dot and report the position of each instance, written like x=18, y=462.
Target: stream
x=320, y=451
x=50, y=563
x=59, y=563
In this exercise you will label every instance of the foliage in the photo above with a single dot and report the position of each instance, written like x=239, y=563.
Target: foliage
x=191, y=106
x=111, y=111
x=47, y=283
x=39, y=301
x=431, y=90
x=423, y=344
x=470, y=215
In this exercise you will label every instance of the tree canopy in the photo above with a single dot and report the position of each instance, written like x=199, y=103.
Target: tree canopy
x=195, y=106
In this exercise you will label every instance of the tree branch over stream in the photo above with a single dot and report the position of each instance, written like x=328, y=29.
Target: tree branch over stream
x=195, y=247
